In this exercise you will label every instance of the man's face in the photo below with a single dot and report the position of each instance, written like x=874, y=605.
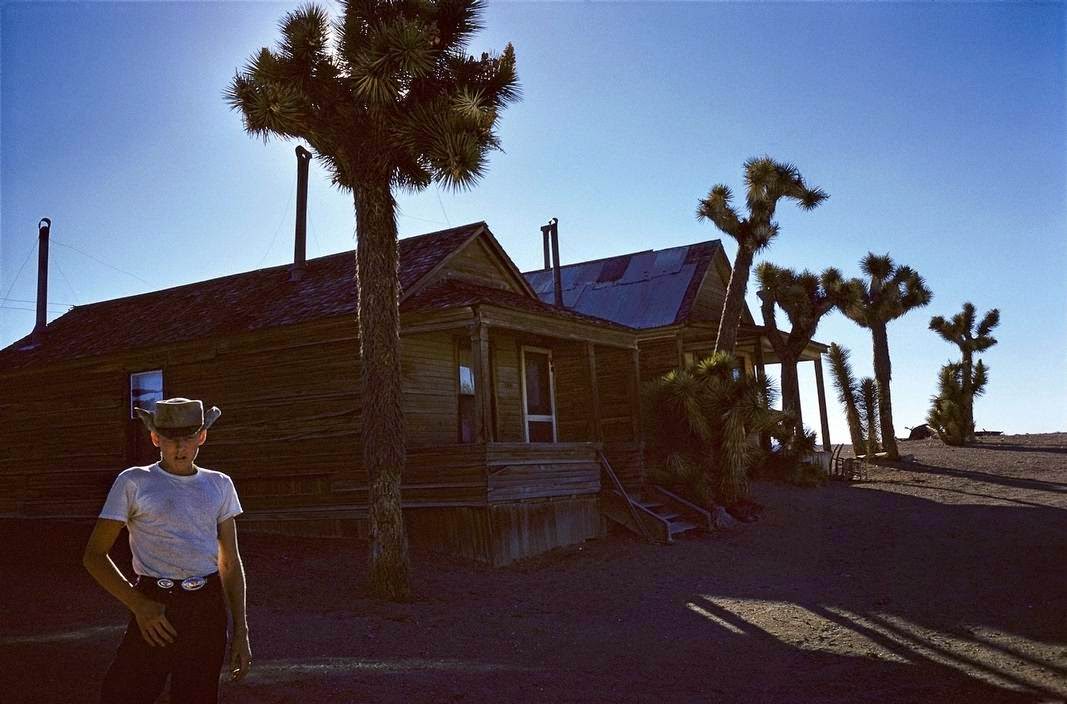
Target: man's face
x=178, y=453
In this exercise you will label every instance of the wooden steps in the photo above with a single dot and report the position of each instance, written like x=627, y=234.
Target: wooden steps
x=663, y=516
x=652, y=512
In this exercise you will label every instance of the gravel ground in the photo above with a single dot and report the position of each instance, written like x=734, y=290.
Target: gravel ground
x=942, y=580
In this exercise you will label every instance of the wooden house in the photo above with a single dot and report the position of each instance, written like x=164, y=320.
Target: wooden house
x=673, y=299
x=513, y=406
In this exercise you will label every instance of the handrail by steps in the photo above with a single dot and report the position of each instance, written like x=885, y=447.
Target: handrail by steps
x=622, y=490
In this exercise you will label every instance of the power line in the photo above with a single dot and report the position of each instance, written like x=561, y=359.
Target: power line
x=437, y=190
x=314, y=236
x=53, y=303
x=278, y=227
x=101, y=261
x=12, y=286
x=64, y=275
x=402, y=214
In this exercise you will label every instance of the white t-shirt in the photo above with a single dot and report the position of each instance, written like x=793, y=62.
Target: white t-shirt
x=172, y=519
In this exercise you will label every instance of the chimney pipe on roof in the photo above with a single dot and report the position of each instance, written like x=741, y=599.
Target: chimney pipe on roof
x=551, y=230
x=296, y=271
x=545, y=230
x=43, y=228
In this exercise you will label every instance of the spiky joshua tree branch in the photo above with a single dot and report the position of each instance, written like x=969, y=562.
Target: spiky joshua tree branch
x=766, y=182
x=889, y=292
x=962, y=332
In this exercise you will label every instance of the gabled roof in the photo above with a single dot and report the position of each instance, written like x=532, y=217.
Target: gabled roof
x=253, y=300
x=641, y=290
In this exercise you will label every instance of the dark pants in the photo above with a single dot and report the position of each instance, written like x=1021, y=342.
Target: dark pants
x=193, y=661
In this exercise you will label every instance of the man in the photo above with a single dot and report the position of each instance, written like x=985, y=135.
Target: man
x=184, y=543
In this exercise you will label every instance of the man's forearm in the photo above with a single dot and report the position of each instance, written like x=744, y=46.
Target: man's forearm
x=108, y=576
x=233, y=583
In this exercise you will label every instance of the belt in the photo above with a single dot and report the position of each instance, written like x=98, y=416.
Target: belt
x=172, y=586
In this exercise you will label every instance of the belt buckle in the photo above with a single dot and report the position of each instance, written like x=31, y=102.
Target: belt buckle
x=193, y=583
x=165, y=583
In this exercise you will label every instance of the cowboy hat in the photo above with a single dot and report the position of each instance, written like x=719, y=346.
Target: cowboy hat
x=178, y=417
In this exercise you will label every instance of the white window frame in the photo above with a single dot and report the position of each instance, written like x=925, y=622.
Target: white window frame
x=551, y=394
x=129, y=387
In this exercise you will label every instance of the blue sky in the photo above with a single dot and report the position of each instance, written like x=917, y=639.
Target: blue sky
x=937, y=129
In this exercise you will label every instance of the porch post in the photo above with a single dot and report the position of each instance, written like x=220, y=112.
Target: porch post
x=822, y=404
x=483, y=409
x=761, y=373
x=594, y=389
x=758, y=357
x=635, y=395
x=680, y=344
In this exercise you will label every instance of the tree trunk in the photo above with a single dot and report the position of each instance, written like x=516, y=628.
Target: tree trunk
x=967, y=386
x=382, y=417
x=882, y=373
x=791, y=391
x=734, y=303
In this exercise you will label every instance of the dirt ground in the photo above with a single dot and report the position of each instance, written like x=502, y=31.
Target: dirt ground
x=942, y=581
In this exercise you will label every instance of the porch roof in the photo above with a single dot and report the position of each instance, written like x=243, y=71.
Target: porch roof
x=455, y=294
x=531, y=314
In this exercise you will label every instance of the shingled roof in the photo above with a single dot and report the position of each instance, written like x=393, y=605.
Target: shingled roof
x=641, y=290
x=253, y=300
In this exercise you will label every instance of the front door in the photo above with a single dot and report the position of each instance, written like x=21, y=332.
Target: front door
x=538, y=395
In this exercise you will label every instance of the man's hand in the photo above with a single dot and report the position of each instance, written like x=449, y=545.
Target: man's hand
x=240, y=657
x=152, y=620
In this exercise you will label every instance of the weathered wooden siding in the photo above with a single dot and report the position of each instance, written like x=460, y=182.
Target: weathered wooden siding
x=627, y=460
x=617, y=389
x=574, y=408
x=708, y=304
x=476, y=264
x=519, y=471
x=658, y=357
x=528, y=528
x=287, y=422
x=504, y=350
x=430, y=380
x=455, y=531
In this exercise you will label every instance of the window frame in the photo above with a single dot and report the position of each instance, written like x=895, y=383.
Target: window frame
x=461, y=343
x=526, y=417
x=130, y=387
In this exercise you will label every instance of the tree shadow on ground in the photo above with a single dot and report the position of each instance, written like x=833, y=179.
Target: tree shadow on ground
x=1051, y=449
x=969, y=596
x=988, y=478
x=841, y=594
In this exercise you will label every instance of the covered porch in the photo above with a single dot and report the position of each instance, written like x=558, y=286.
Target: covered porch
x=516, y=370
x=684, y=345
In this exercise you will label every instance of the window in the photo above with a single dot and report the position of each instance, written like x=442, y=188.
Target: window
x=696, y=356
x=145, y=389
x=539, y=403
x=465, y=391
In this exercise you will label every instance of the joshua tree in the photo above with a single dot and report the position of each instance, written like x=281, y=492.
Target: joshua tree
x=868, y=408
x=961, y=332
x=709, y=449
x=947, y=407
x=890, y=292
x=847, y=392
x=387, y=98
x=767, y=181
x=805, y=298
